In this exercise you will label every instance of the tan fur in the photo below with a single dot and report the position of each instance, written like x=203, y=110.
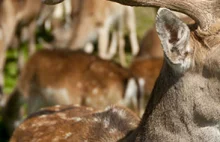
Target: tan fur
x=68, y=77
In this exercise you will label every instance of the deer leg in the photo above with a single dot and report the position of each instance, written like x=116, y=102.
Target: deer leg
x=121, y=43
x=32, y=44
x=21, y=59
x=131, y=95
x=103, y=40
x=68, y=9
x=113, y=46
x=89, y=48
x=131, y=24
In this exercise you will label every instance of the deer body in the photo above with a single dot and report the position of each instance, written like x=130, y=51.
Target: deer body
x=94, y=120
x=184, y=104
x=70, y=77
x=66, y=77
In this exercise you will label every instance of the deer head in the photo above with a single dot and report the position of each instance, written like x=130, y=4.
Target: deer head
x=185, y=102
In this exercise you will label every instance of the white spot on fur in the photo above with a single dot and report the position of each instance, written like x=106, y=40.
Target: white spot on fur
x=62, y=115
x=67, y=135
x=22, y=127
x=131, y=93
x=43, y=116
x=108, y=108
x=89, y=108
x=95, y=91
x=96, y=120
x=56, y=139
x=57, y=106
x=113, y=130
x=76, y=105
x=106, y=123
x=77, y=119
x=122, y=113
x=79, y=85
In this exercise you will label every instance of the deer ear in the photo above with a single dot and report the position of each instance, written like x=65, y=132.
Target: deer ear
x=174, y=36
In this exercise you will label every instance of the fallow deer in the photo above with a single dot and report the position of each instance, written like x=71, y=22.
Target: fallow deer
x=65, y=77
x=184, y=105
x=72, y=77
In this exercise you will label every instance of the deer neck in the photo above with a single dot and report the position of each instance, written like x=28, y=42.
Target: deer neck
x=178, y=110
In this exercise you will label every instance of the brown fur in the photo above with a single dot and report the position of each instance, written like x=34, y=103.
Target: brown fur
x=86, y=79
x=147, y=70
x=150, y=45
x=69, y=120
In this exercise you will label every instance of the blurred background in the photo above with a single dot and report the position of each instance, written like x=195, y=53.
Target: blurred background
x=28, y=26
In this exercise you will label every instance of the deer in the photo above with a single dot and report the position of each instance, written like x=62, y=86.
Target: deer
x=71, y=81
x=150, y=57
x=184, y=104
x=102, y=16
x=63, y=77
x=13, y=14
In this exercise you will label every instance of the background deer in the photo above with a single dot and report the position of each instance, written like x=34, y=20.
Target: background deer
x=95, y=19
x=100, y=21
x=71, y=81
x=184, y=104
x=66, y=77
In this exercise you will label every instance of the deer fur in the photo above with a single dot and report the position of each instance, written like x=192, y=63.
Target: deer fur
x=65, y=77
x=184, y=104
x=150, y=58
x=146, y=71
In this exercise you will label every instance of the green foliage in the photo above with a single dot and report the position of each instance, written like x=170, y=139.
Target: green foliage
x=144, y=19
